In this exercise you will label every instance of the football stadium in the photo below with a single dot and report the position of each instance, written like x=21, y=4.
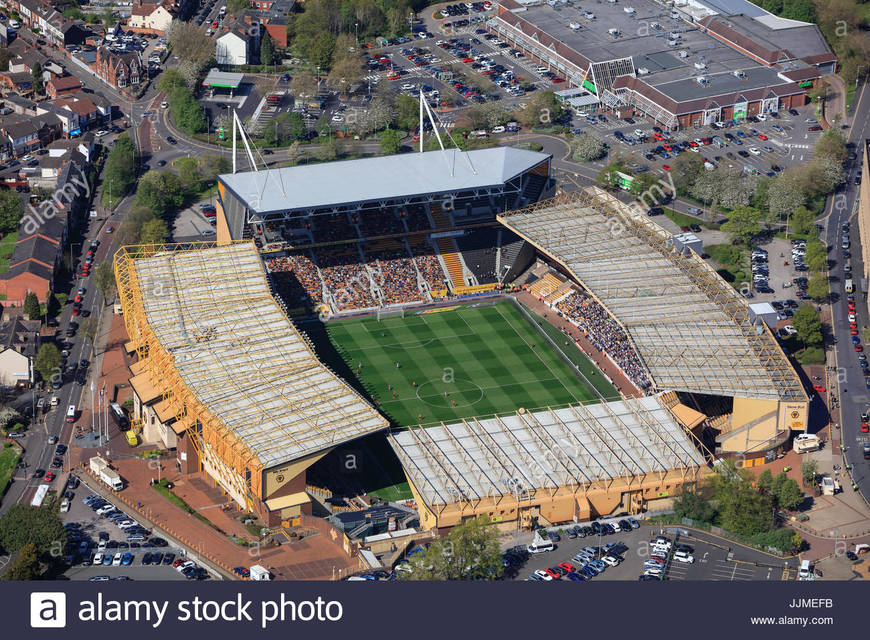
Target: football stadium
x=485, y=351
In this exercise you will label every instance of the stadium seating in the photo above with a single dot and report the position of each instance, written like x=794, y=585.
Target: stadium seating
x=479, y=248
x=394, y=272
x=605, y=334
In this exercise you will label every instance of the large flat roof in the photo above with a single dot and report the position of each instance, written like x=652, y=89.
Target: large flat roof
x=378, y=179
x=242, y=358
x=524, y=452
x=692, y=331
x=217, y=78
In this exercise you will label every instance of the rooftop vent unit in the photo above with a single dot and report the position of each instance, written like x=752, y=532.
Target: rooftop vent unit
x=630, y=10
x=702, y=80
x=700, y=65
x=613, y=32
x=739, y=74
x=612, y=1
x=642, y=71
x=684, y=54
x=672, y=43
x=574, y=26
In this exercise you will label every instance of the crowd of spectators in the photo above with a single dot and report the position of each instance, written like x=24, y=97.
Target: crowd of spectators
x=429, y=267
x=346, y=278
x=395, y=274
x=415, y=217
x=605, y=334
x=295, y=277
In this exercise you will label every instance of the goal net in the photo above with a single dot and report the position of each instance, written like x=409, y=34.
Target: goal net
x=384, y=313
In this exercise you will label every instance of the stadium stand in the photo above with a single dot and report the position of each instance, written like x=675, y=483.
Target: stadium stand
x=605, y=334
x=394, y=271
x=349, y=283
x=479, y=248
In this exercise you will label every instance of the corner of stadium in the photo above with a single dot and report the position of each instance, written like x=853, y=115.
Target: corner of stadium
x=236, y=372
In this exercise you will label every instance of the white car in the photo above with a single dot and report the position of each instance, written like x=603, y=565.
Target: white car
x=98, y=559
x=116, y=561
x=164, y=104
x=498, y=129
x=185, y=565
x=755, y=151
x=652, y=571
x=104, y=510
x=761, y=117
x=790, y=330
x=543, y=575
x=27, y=158
x=101, y=133
x=407, y=86
x=687, y=559
x=610, y=560
x=338, y=118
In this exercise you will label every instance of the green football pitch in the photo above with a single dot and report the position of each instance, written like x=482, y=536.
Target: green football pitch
x=445, y=365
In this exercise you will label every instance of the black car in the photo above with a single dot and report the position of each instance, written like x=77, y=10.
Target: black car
x=597, y=528
x=697, y=229
x=793, y=112
x=171, y=140
x=157, y=558
x=80, y=378
x=61, y=449
x=168, y=558
x=146, y=559
x=159, y=542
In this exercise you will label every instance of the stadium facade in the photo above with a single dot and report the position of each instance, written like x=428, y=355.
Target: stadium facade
x=681, y=64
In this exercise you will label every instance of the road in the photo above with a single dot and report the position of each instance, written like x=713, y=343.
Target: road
x=853, y=392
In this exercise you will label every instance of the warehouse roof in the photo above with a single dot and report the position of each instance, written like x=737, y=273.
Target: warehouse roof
x=378, y=179
x=690, y=328
x=242, y=358
x=523, y=452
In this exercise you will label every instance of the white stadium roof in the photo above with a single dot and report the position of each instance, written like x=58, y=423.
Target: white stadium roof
x=692, y=331
x=246, y=363
x=524, y=452
x=378, y=179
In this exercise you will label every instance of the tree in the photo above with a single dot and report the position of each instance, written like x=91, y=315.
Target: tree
x=744, y=223
x=120, y=168
x=808, y=325
x=685, y=170
x=194, y=49
x=381, y=113
x=211, y=166
x=802, y=10
x=587, y=147
x=406, y=112
x=390, y=141
x=39, y=526
x=765, y=480
x=689, y=504
x=816, y=256
x=817, y=288
x=777, y=482
x=36, y=75
x=154, y=232
x=469, y=552
x=785, y=195
x=320, y=53
x=267, y=50
x=170, y=79
x=88, y=329
x=188, y=172
x=11, y=210
x=234, y=6
x=160, y=191
x=26, y=565
x=346, y=72
x=832, y=144
x=31, y=306
x=47, y=362
x=809, y=469
x=328, y=151
x=543, y=109
x=789, y=495
x=706, y=187
x=803, y=222
x=104, y=279
x=186, y=111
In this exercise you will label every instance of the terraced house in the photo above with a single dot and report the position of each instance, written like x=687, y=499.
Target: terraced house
x=119, y=70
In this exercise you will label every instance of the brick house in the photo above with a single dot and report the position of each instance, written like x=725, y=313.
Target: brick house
x=57, y=87
x=119, y=70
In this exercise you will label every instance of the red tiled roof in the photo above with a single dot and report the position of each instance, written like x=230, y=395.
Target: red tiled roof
x=67, y=82
x=820, y=58
x=797, y=75
x=545, y=39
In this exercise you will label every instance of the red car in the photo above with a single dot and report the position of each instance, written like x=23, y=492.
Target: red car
x=553, y=573
x=658, y=136
x=818, y=387
x=852, y=325
x=48, y=477
x=865, y=428
x=468, y=59
x=393, y=76
x=859, y=348
x=557, y=80
x=854, y=332
x=667, y=147
x=567, y=566
x=78, y=298
x=76, y=311
x=692, y=143
x=666, y=167
x=762, y=136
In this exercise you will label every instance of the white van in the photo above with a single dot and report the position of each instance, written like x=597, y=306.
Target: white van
x=806, y=572
x=540, y=546
x=805, y=442
x=71, y=413
x=684, y=556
